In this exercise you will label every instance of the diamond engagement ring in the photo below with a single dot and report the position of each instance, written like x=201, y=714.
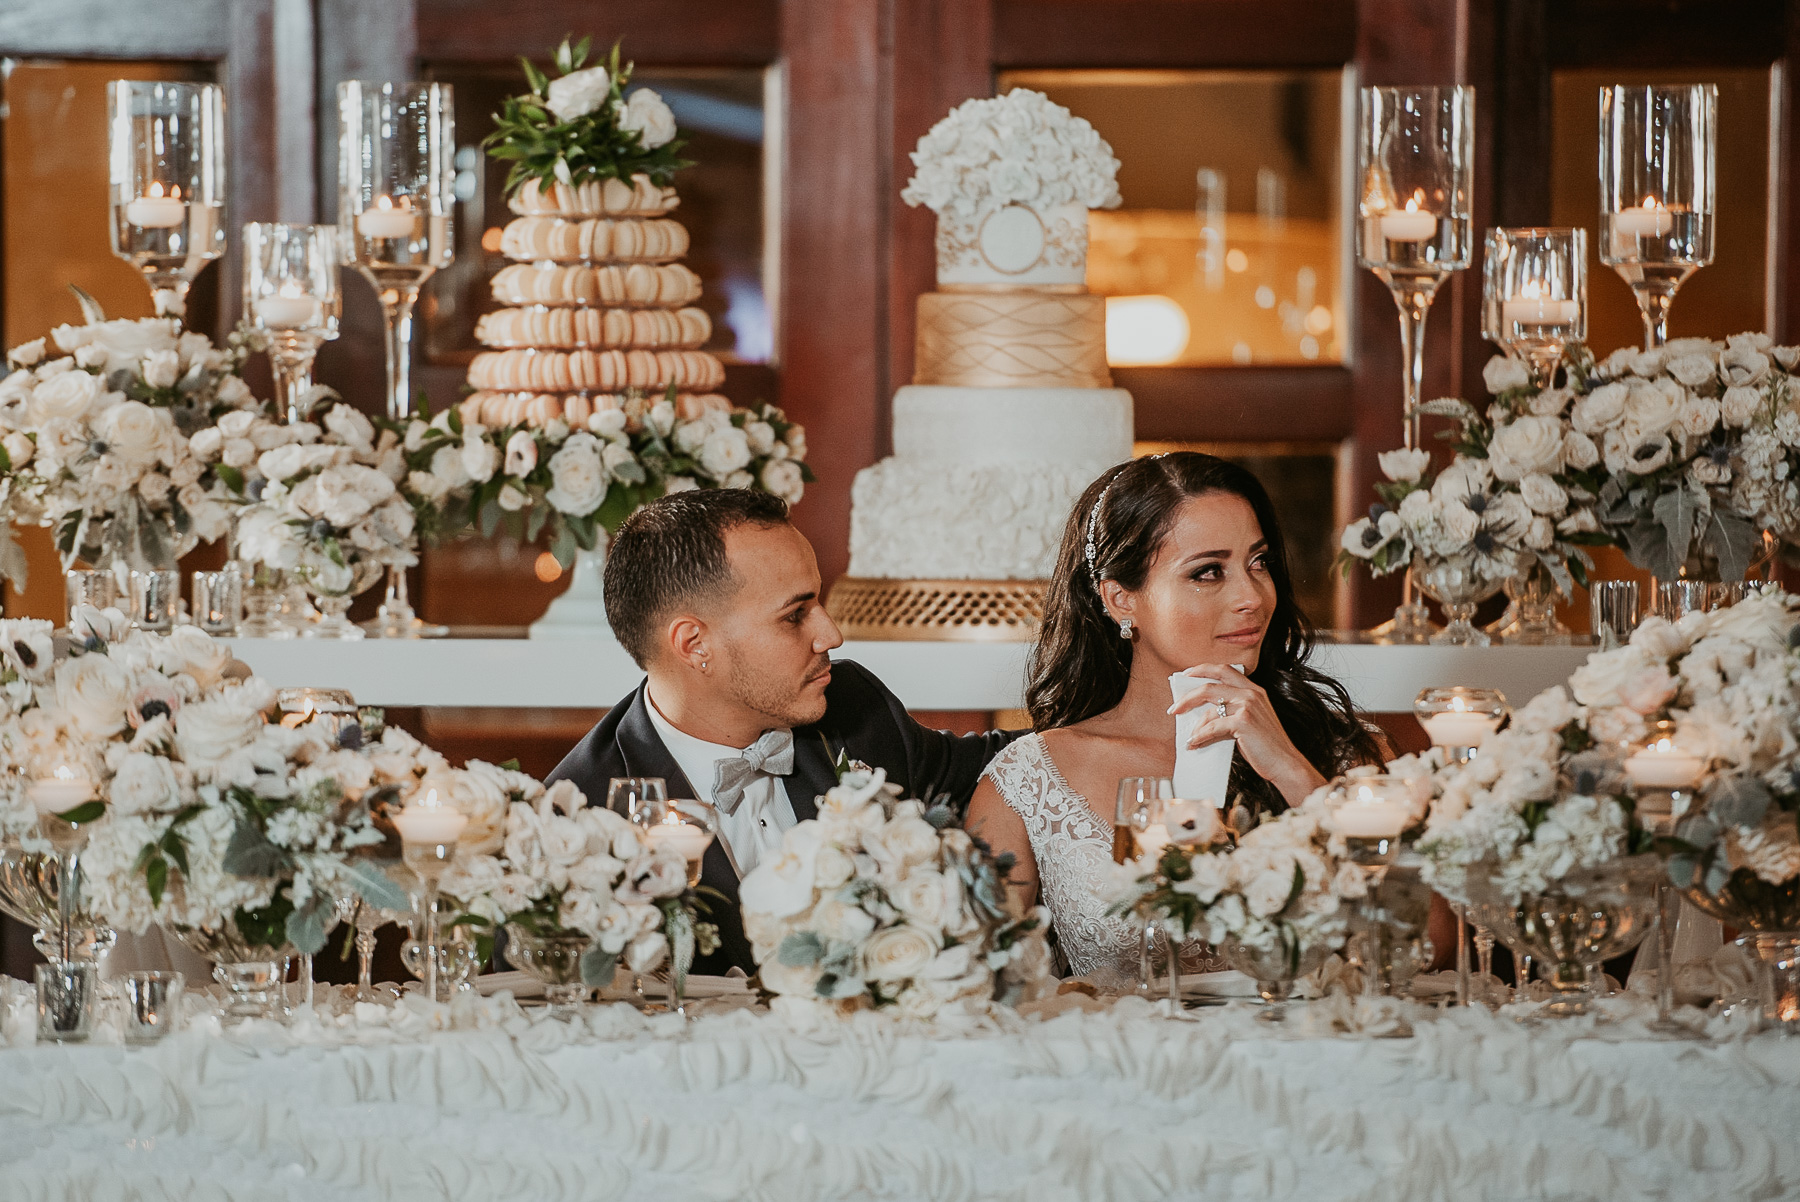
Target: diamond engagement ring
x=1220, y=708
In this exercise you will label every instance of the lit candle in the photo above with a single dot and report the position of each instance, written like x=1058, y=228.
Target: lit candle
x=1189, y=822
x=1151, y=842
x=1409, y=226
x=1530, y=308
x=1459, y=728
x=61, y=791
x=1664, y=765
x=384, y=219
x=430, y=821
x=685, y=837
x=154, y=211
x=1370, y=814
x=292, y=310
x=1648, y=220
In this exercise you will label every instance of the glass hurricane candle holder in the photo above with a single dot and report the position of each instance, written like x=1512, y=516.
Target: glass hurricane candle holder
x=1460, y=718
x=1534, y=294
x=1416, y=167
x=291, y=295
x=167, y=145
x=1665, y=778
x=429, y=827
x=396, y=176
x=689, y=827
x=1657, y=186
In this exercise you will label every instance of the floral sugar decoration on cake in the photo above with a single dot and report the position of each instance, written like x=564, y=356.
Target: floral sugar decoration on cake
x=582, y=127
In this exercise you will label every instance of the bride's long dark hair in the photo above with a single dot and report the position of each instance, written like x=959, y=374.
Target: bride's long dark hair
x=1081, y=667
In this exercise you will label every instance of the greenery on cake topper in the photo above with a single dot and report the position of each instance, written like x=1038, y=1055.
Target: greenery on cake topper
x=581, y=126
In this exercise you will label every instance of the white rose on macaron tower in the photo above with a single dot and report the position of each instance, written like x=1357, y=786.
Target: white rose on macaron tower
x=578, y=93
x=648, y=115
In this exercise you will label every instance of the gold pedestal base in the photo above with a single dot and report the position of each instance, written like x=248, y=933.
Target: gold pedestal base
x=963, y=611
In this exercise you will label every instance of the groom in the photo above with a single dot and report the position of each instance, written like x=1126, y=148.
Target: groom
x=716, y=596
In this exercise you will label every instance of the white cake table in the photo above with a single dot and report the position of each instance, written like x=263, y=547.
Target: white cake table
x=595, y=673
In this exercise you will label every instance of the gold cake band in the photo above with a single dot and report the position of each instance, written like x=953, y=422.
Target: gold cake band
x=1024, y=338
x=959, y=611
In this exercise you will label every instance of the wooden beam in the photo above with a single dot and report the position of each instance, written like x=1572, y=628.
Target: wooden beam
x=1174, y=33
x=109, y=29
x=1240, y=404
x=687, y=33
x=1666, y=33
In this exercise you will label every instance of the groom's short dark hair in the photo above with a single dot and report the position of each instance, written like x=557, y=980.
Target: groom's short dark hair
x=672, y=552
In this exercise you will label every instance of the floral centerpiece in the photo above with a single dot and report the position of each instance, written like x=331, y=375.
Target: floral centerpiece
x=879, y=903
x=581, y=127
x=565, y=870
x=97, y=440
x=580, y=484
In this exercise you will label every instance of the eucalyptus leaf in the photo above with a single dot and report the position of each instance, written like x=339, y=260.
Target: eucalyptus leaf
x=306, y=927
x=1699, y=830
x=1732, y=540
x=375, y=887
x=250, y=854
x=598, y=967
x=1740, y=801
x=802, y=949
x=1682, y=869
x=1677, y=512
x=1718, y=874
x=678, y=925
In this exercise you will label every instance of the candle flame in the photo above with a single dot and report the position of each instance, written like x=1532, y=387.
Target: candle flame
x=671, y=819
x=1456, y=703
x=1531, y=290
x=1665, y=746
x=291, y=291
x=1417, y=199
x=1650, y=202
x=63, y=772
x=155, y=192
x=431, y=799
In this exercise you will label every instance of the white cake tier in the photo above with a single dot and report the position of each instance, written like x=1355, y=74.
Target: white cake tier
x=1036, y=426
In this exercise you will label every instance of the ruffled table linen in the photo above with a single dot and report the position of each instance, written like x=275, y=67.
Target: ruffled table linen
x=487, y=1101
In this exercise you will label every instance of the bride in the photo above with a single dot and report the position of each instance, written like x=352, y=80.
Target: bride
x=1168, y=564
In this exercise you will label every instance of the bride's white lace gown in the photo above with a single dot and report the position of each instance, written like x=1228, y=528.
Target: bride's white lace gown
x=1073, y=849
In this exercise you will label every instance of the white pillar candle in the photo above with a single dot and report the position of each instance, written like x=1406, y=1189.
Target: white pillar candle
x=1663, y=765
x=288, y=312
x=384, y=219
x=690, y=840
x=1373, y=816
x=1409, y=226
x=61, y=791
x=1648, y=220
x=1459, y=728
x=430, y=822
x=156, y=211
x=1537, y=311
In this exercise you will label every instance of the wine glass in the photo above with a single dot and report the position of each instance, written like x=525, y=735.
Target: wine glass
x=291, y=295
x=1416, y=164
x=396, y=175
x=1139, y=806
x=639, y=798
x=167, y=143
x=1534, y=295
x=1657, y=185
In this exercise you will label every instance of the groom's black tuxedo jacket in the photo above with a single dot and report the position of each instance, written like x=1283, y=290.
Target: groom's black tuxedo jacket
x=862, y=720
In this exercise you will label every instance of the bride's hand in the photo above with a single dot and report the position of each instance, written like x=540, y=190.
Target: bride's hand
x=1247, y=716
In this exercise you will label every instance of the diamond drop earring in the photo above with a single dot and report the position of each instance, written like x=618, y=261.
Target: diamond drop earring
x=1125, y=629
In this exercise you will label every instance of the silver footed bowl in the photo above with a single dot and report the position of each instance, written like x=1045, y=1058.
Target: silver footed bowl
x=225, y=946
x=28, y=889
x=1591, y=915
x=553, y=959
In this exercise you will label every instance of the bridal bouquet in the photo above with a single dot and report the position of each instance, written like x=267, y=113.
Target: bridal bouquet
x=471, y=465
x=563, y=866
x=97, y=441
x=878, y=904
x=330, y=510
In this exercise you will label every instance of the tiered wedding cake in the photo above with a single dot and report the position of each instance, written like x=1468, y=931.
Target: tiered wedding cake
x=598, y=303
x=1011, y=413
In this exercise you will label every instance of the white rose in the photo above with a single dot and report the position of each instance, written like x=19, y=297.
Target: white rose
x=1404, y=466
x=1601, y=409
x=1502, y=374
x=427, y=486
x=1579, y=451
x=1460, y=523
x=897, y=954
x=351, y=427
x=647, y=114
x=1268, y=892
x=1531, y=444
x=19, y=448
x=782, y=477
x=833, y=867
x=578, y=93
x=1651, y=408
x=210, y=730
x=447, y=465
x=161, y=369
x=93, y=691
x=207, y=444
x=1740, y=405
x=645, y=953
x=609, y=423
x=675, y=484
x=1543, y=494
x=1698, y=416
x=578, y=480
x=480, y=458
x=144, y=783
x=521, y=453
x=1694, y=369
x=27, y=354
x=282, y=463
x=725, y=452
x=782, y=886
x=922, y=897
x=511, y=499
x=69, y=395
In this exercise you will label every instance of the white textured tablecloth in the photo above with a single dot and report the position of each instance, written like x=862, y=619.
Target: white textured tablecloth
x=1118, y=1105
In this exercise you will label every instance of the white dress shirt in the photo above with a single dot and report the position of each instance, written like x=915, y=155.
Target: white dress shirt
x=755, y=830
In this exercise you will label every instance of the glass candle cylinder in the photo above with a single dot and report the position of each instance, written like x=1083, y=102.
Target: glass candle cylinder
x=1534, y=294
x=291, y=294
x=167, y=143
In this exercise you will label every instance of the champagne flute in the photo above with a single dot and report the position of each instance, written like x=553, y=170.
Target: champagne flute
x=1657, y=190
x=167, y=143
x=396, y=176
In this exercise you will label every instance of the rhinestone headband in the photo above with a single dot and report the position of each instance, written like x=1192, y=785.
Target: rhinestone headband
x=1093, y=524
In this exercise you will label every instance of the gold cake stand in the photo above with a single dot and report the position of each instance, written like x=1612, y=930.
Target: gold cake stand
x=936, y=611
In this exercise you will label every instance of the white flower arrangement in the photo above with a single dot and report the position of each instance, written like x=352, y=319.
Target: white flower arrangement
x=330, y=509
x=563, y=866
x=581, y=484
x=97, y=441
x=877, y=904
x=1512, y=500
x=1020, y=148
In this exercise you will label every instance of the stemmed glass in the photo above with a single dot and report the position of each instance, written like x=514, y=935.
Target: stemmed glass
x=1657, y=185
x=1664, y=776
x=637, y=798
x=396, y=171
x=291, y=295
x=1139, y=807
x=1370, y=818
x=1459, y=718
x=167, y=143
x=1534, y=294
x=1416, y=163
x=429, y=828
x=689, y=827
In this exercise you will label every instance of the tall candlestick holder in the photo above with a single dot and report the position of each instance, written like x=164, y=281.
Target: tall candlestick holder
x=1416, y=164
x=291, y=295
x=1534, y=295
x=1657, y=186
x=396, y=175
x=167, y=146
x=429, y=827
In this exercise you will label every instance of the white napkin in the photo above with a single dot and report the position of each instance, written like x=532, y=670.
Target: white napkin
x=1202, y=773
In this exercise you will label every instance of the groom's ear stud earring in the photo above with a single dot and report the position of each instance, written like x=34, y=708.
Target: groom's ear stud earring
x=1125, y=629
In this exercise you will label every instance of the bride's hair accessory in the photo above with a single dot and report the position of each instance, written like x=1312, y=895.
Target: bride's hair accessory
x=1125, y=629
